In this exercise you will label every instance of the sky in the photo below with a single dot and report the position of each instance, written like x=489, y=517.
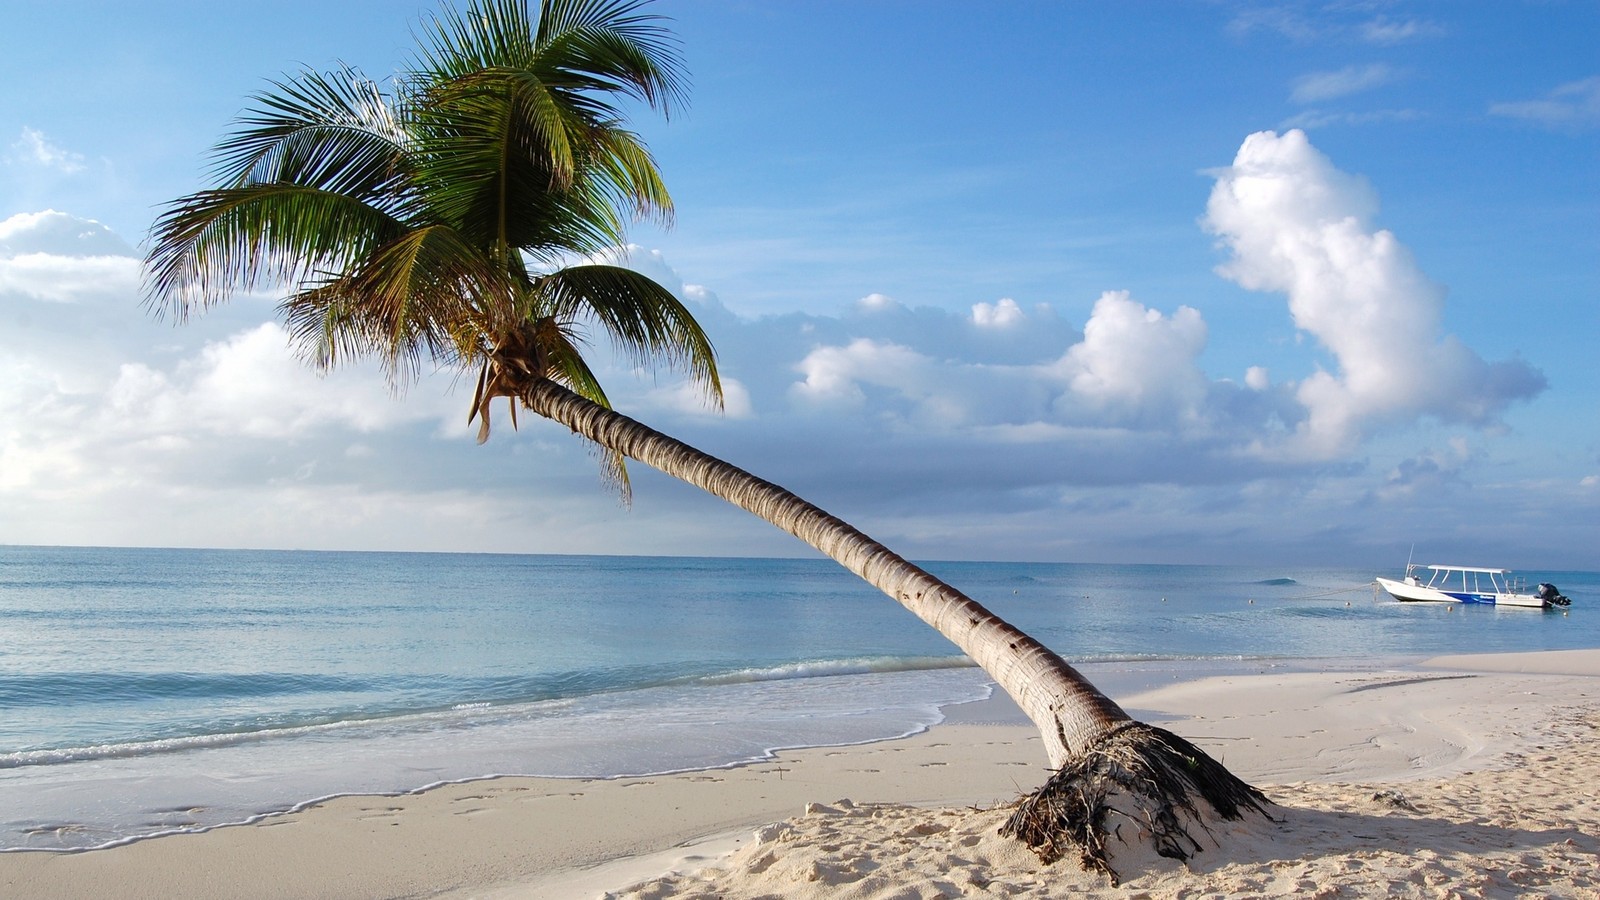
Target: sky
x=1216, y=281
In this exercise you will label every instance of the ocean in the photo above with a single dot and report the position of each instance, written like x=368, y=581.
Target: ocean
x=147, y=691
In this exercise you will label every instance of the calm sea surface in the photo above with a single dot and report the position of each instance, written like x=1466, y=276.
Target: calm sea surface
x=148, y=691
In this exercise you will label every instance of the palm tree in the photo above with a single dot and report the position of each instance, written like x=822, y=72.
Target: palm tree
x=443, y=219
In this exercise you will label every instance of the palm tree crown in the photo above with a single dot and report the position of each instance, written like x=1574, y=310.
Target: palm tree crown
x=440, y=219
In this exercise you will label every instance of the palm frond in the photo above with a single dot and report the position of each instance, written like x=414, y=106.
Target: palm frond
x=541, y=105
x=615, y=48
x=425, y=293
x=644, y=320
x=212, y=243
x=631, y=169
x=337, y=131
x=495, y=147
x=593, y=47
x=484, y=35
x=511, y=153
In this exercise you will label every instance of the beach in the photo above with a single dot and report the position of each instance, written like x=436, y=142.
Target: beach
x=1464, y=776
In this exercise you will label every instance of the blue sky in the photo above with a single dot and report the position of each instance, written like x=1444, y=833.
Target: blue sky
x=1151, y=282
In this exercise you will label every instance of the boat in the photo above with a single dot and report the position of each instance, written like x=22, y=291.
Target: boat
x=1470, y=584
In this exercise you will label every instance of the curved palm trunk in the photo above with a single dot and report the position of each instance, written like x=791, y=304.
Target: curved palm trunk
x=1069, y=711
x=1109, y=768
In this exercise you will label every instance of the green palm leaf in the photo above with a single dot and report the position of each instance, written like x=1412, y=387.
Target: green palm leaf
x=643, y=319
x=404, y=301
x=216, y=242
x=338, y=130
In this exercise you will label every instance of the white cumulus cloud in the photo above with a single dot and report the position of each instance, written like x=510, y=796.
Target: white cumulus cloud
x=250, y=384
x=1003, y=314
x=1295, y=224
x=1134, y=369
x=834, y=376
x=878, y=303
x=64, y=280
x=59, y=258
x=1134, y=365
x=687, y=399
x=59, y=234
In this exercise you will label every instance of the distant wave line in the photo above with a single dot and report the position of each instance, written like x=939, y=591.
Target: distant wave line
x=54, y=688
x=131, y=749
x=824, y=668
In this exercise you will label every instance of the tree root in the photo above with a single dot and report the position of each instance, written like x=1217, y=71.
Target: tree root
x=1155, y=773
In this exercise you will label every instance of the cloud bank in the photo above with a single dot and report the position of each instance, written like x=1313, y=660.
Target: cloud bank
x=1026, y=432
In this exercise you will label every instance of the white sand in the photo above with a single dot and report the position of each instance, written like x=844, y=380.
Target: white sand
x=1459, y=782
x=1490, y=764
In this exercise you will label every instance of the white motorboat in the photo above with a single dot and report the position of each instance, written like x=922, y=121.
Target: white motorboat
x=1470, y=584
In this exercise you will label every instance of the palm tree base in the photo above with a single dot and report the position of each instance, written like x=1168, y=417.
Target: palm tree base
x=1135, y=777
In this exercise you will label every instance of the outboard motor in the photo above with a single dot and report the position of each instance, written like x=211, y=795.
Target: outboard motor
x=1551, y=595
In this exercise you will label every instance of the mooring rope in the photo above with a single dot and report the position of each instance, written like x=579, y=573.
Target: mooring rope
x=1318, y=596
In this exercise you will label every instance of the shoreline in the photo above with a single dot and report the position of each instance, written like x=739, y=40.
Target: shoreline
x=521, y=837
x=215, y=784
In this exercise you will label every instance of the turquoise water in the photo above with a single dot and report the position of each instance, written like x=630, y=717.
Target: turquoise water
x=145, y=691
